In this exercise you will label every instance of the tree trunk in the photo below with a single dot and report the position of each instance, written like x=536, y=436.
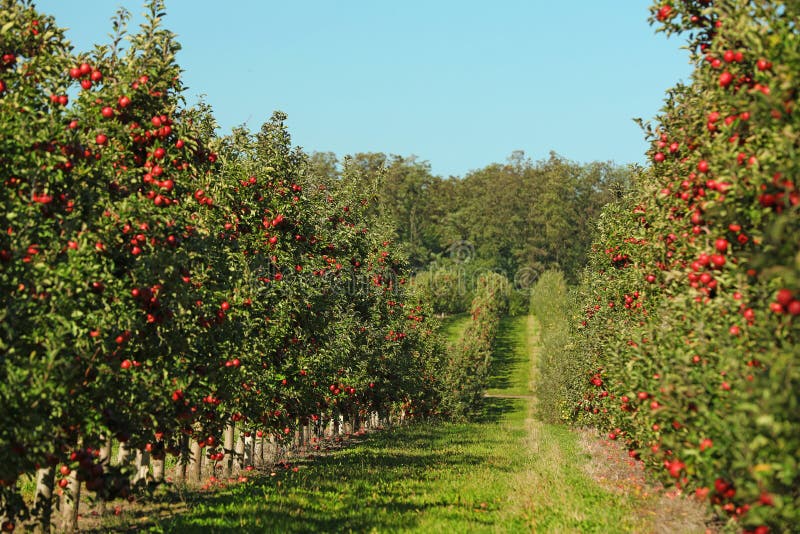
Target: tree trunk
x=239, y=454
x=272, y=454
x=248, y=450
x=123, y=454
x=347, y=424
x=298, y=436
x=43, y=500
x=183, y=460
x=195, y=469
x=227, y=445
x=258, y=451
x=142, y=467
x=70, y=504
x=158, y=470
x=104, y=460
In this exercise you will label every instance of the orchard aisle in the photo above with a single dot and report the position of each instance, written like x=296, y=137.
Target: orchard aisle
x=505, y=472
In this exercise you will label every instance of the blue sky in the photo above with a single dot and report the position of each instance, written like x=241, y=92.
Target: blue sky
x=458, y=83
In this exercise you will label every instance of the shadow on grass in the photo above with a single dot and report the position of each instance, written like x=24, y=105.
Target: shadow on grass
x=508, y=354
x=495, y=409
x=452, y=327
x=383, y=482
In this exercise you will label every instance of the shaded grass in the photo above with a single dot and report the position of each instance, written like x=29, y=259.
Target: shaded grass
x=503, y=472
x=453, y=326
x=510, y=373
x=429, y=478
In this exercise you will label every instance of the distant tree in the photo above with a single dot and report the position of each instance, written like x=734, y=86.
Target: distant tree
x=519, y=218
x=324, y=166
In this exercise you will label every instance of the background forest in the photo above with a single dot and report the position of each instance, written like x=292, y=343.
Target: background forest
x=518, y=218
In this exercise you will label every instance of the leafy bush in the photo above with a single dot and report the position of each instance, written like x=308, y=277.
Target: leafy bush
x=466, y=372
x=560, y=369
x=446, y=287
x=159, y=283
x=691, y=301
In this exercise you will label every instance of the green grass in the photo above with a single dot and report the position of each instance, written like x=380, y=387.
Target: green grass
x=511, y=367
x=453, y=326
x=425, y=478
x=504, y=472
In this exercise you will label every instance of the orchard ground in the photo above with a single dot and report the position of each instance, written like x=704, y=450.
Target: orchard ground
x=503, y=471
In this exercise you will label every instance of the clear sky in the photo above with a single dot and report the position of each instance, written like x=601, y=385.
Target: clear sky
x=458, y=83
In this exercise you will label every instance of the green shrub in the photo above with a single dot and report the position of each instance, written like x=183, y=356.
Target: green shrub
x=467, y=368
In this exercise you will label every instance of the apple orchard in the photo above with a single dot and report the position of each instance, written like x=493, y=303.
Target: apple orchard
x=691, y=300
x=159, y=283
x=163, y=286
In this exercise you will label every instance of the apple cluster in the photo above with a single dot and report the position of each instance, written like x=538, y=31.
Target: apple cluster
x=161, y=284
x=697, y=373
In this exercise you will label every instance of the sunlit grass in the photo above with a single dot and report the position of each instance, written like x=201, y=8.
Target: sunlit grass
x=505, y=472
x=453, y=326
x=511, y=368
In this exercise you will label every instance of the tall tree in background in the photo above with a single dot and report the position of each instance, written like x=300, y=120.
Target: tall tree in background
x=518, y=217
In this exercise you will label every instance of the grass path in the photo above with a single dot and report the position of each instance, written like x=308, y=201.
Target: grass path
x=453, y=326
x=505, y=472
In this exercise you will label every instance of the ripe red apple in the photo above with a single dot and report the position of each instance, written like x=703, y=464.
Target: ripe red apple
x=784, y=297
x=675, y=467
